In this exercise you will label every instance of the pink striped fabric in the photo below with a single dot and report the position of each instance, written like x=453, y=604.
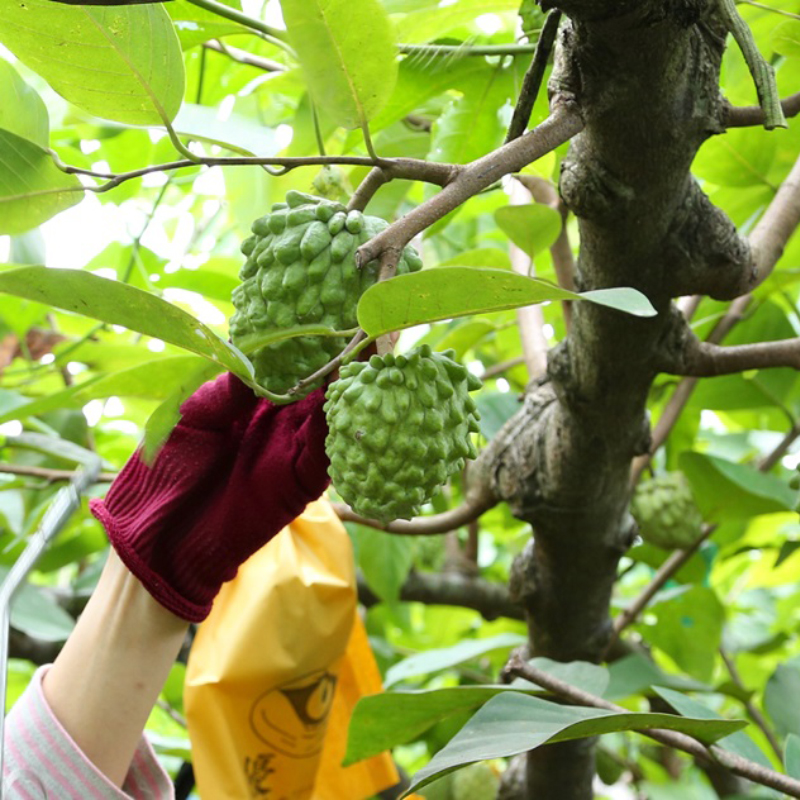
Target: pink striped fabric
x=42, y=760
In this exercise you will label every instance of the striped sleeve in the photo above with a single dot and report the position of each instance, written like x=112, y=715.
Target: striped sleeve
x=42, y=761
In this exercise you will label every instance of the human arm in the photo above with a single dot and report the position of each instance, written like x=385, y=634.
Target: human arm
x=232, y=474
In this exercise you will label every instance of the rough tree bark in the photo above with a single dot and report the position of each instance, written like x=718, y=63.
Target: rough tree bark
x=645, y=74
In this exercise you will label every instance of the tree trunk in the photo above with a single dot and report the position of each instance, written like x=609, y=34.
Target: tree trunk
x=645, y=74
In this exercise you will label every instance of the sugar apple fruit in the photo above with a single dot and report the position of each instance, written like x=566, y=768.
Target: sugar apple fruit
x=476, y=782
x=301, y=270
x=399, y=426
x=666, y=512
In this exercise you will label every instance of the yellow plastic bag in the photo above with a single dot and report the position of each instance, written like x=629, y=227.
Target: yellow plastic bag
x=276, y=669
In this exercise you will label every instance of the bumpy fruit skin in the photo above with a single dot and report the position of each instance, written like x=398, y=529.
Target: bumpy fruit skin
x=666, y=512
x=475, y=782
x=399, y=427
x=301, y=270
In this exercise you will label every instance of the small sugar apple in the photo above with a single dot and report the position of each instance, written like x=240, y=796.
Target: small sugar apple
x=666, y=512
x=476, y=782
x=399, y=427
x=301, y=270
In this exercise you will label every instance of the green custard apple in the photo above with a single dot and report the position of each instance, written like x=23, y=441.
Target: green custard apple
x=666, y=512
x=301, y=270
x=399, y=428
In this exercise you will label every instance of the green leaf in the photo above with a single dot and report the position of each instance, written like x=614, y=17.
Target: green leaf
x=382, y=721
x=435, y=660
x=470, y=126
x=791, y=755
x=195, y=25
x=384, y=560
x=496, y=409
x=780, y=698
x=635, y=674
x=238, y=133
x=532, y=228
x=167, y=415
x=32, y=188
x=738, y=743
x=22, y=111
x=689, y=629
x=514, y=723
x=492, y=257
x=37, y=614
x=120, y=304
x=448, y=292
x=117, y=62
x=152, y=380
x=724, y=490
x=348, y=55
x=786, y=38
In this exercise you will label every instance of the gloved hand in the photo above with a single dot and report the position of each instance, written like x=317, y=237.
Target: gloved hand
x=234, y=471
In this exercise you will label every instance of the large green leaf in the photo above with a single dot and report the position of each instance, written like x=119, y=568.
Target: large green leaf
x=117, y=62
x=448, y=292
x=435, y=660
x=22, y=111
x=120, y=304
x=32, y=188
x=153, y=380
x=513, y=723
x=347, y=52
x=726, y=490
x=689, y=628
x=36, y=613
x=532, y=228
x=780, y=698
x=470, y=126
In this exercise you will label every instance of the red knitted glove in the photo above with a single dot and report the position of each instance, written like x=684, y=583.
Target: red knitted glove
x=234, y=471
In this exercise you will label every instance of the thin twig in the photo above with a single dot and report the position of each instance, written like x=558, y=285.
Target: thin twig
x=680, y=741
x=243, y=57
x=478, y=501
x=332, y=365
x=532, y=82
x=664, y=573
x=51, y=475
x=772, y=9
x=503, y=366
x=466, y=49
x=748, y=116
x=751, y=708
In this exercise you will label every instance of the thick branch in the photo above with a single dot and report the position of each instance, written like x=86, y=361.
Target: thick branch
x=562, y=124
x=779, y=222
x=706, y=360
x=736, y=764
x=490, y=600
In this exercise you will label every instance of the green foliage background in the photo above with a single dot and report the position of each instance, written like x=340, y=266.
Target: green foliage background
x=174, y=235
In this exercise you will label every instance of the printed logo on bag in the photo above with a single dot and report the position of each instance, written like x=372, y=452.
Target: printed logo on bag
x=258, y=770
x=292, y=717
